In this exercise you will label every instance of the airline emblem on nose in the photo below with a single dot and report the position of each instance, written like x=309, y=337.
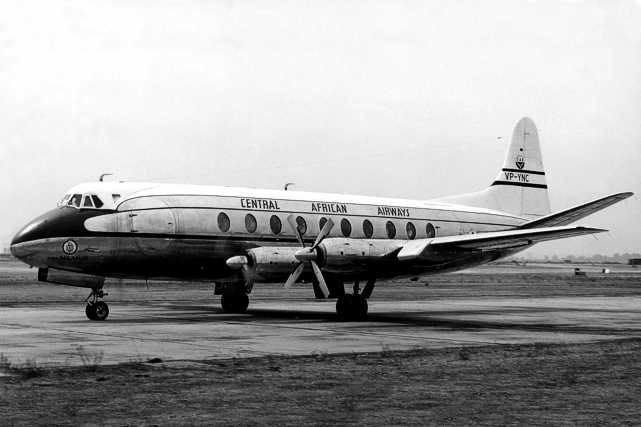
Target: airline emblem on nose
x=520, y=162
x=69, y=247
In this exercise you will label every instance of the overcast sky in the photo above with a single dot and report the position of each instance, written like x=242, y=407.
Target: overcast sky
x=409, y=99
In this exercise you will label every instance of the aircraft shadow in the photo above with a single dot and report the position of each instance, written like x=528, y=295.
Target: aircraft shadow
x=443, y=319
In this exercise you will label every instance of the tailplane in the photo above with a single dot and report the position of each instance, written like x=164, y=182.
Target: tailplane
x=520, y=187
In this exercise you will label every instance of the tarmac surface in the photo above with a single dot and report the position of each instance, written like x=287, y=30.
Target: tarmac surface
x=185, y=324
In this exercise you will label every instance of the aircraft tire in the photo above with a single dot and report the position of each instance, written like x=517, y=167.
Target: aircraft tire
x=360, y=307
x=351, y=307
x=344, y=306
x=234, y=303
x=97, y=311
x=89, y=312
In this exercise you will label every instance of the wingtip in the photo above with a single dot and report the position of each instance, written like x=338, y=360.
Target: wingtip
x=591, y=229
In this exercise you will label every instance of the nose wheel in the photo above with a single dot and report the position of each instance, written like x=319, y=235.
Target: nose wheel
x=96, y=310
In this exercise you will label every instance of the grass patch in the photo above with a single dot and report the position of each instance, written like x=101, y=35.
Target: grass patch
x=544, y=384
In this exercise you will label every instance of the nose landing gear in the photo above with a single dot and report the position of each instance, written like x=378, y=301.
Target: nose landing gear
x=97, y=310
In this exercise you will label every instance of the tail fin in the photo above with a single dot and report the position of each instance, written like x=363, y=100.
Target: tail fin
x=520, y=188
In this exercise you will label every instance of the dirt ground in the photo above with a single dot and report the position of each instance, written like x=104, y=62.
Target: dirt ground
x=589, y=384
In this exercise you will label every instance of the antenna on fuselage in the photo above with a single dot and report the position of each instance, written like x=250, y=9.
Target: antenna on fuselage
x=103, y=175
x=288, y=184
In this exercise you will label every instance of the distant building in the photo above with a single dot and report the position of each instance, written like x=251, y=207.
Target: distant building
x=634, y=261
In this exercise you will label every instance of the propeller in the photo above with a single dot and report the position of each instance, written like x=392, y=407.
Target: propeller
x=309, y=254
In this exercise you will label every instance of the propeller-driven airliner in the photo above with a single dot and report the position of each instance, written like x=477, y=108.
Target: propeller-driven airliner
x=238, y=237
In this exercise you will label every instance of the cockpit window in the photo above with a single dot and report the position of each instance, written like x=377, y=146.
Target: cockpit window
x=87, y=203
x=97, y=201
x=75, y=200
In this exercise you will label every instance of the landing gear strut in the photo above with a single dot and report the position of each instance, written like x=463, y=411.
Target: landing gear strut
x=237, y=300
x=97, y=310
x=354, y=306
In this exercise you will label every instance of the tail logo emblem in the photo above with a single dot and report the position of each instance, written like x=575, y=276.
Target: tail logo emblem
x=69, y=247
x=520, y=162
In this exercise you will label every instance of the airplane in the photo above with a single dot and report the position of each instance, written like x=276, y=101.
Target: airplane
x=238, y=237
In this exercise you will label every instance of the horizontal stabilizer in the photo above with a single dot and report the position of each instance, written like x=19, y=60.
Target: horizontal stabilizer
x=568, y=216
x=499, y=240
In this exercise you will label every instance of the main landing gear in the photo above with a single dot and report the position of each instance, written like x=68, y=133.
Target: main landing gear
x=97, y=310
x=354, y=306
x=234, y=298
x=234, y=302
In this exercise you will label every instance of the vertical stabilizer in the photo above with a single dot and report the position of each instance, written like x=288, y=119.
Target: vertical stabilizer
x=520, y=187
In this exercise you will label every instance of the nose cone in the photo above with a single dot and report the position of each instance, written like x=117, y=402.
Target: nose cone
x=21, y=245
x=39, y=228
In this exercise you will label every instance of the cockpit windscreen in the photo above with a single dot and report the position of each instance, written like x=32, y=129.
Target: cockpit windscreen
x=86, y=201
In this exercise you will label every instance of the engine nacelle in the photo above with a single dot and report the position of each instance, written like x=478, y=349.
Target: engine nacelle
x=269, y=264
x=345, y=256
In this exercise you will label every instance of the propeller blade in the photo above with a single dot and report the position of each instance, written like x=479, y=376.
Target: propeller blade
x=327, y=228
x=294, y=276
x=321, y=280
x=294, y=225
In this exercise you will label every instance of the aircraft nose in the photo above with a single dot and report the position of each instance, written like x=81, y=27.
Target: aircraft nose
x=35, y=230
x=33, y=244
x=58, y=222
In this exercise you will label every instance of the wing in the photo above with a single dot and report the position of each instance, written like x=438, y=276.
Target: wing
x=576, y=213
x=499, y=240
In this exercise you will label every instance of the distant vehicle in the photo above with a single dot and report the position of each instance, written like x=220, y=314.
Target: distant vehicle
x=237, y=237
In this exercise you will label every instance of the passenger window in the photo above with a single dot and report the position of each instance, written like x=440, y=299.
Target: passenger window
x=346, y=227
x=431, y=232
x=97, y=201
x=411, y=231
x=275, y=224
x=368, y=229
x=322, y=223
x=87, y=203
x=223, y=222
x=75, y=200
x=302, y=225
x=250, y=223
x=391, y=229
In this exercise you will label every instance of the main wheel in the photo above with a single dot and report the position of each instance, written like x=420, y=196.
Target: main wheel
x=97, y=311
x=359, y=307
x=344, y=306
x=235, y=303
x=351, y=307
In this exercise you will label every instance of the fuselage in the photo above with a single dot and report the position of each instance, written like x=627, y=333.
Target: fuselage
x=188, y=232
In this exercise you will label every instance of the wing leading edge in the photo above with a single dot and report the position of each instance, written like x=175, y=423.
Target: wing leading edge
x=416, y=250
